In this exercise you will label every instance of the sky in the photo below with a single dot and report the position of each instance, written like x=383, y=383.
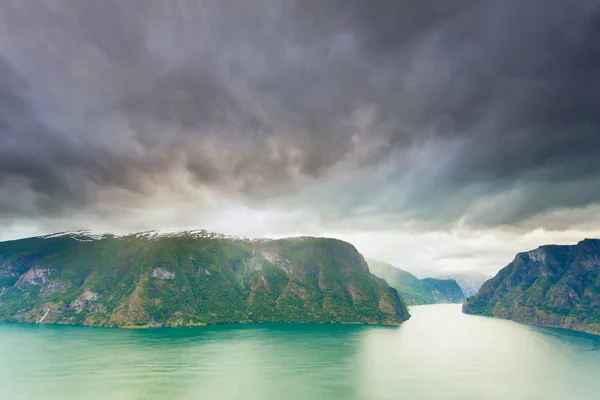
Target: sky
x=435, y=135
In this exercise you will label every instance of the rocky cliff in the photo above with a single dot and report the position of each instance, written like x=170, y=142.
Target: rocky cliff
x=556, y=286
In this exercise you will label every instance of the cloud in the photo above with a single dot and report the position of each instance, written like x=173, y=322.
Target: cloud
x=402, y=114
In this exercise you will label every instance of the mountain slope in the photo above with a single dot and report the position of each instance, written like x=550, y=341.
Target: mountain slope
x=189, y=278
x=416, y=291
x=469, y=281
x=557, y=286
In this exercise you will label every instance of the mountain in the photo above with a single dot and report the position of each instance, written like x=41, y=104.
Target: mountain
x=469, y=281
x=556, y=286
x=189, y=278
x=416, y=291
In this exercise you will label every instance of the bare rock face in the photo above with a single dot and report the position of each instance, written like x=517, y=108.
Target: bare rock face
x=39, y=276
x=84, y=300
x=161, y=273
x=52, y=287
x=278, y=260
x=35, y=276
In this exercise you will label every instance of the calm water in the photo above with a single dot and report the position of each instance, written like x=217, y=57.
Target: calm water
x=438, y=354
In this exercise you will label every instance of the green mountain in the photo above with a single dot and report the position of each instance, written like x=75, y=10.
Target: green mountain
x=416, y=291
x=189, y=278
x=556, y=286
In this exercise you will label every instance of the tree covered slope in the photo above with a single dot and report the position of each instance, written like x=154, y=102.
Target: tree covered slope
x=556, y=286
x=189, y=278
x=416, y=291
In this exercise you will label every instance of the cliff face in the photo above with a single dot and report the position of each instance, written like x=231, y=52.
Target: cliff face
x=556, y=286
x=416, y=291
x=190, y=278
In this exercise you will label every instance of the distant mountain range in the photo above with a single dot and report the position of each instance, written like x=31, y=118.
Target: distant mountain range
x=416, y=291
x=556, y=286
x=469, y=281
x=154, y=279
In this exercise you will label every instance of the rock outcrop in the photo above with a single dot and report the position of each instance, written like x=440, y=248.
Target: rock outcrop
x=161, y=273
x=35, y=276
x=84, y=300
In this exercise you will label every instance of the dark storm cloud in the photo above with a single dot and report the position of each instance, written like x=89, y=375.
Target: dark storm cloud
x=461, y=110
x=61, y=171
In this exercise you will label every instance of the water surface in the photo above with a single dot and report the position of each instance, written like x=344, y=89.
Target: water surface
x=438, y=354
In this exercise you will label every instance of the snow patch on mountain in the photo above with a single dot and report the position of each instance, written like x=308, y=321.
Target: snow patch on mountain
x=81, y=236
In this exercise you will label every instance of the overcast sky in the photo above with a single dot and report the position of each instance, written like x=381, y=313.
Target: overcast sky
x=436, y=135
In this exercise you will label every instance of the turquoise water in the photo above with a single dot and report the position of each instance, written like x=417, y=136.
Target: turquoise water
x=438, y=354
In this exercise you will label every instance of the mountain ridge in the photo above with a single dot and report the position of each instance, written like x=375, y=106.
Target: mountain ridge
x=150, y=234
x=189, y=277
x=416, y=291
x=553, y=285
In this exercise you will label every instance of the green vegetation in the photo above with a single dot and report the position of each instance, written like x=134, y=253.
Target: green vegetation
x=557, y=286
x=188, y=279
x=416, y=291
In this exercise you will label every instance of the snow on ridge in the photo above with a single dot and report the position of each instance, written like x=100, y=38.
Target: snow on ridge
x=88, y=236
x=80, y=236
x=68, y=233
x=195, y=233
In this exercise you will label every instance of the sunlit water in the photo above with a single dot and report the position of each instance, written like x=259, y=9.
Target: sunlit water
x=438, y=354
